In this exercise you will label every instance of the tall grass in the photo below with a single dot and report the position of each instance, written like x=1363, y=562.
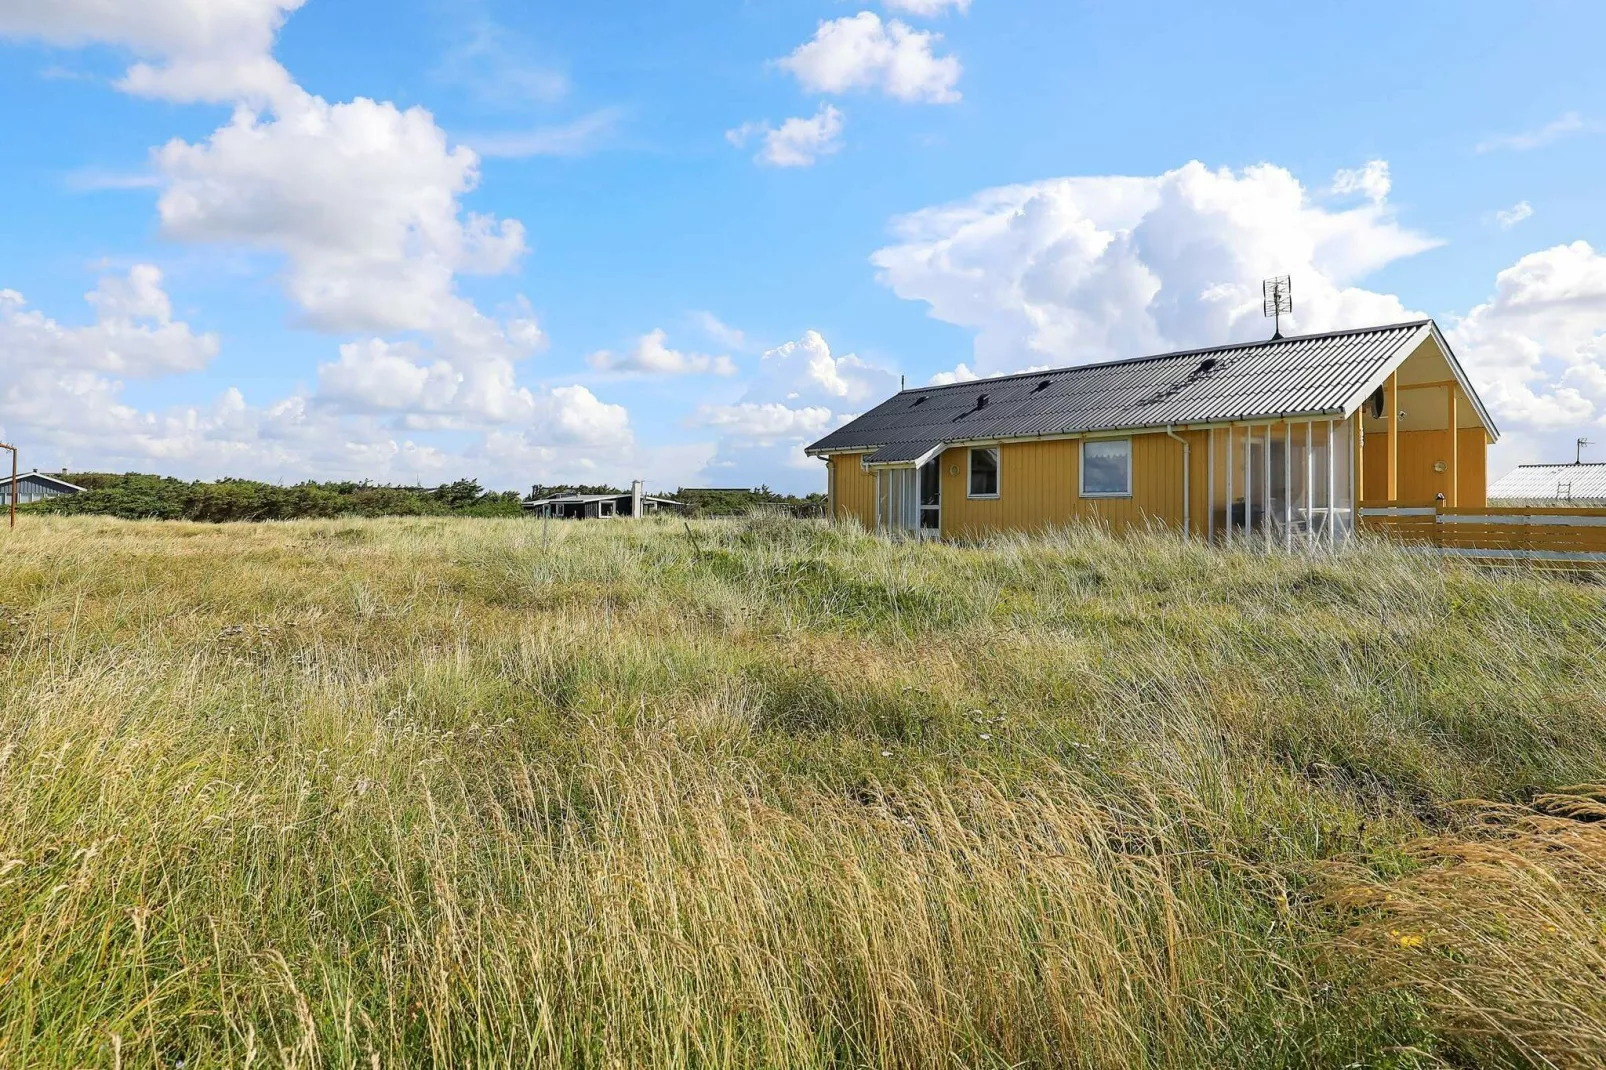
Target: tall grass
x=454, y=793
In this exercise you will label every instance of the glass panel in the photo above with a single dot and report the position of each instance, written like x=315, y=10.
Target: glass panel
x=1300, y=472
x=1239, y=477
x=930, y=482
x=983, y=472
x=1217, y=463
x=1107, y=466
x=1277, y=502
x=1253, y=513
x=931, y=495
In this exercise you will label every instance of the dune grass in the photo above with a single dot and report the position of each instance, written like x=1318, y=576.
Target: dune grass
x=425, y=792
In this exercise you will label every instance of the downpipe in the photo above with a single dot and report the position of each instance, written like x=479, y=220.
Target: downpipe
x=1187, y=470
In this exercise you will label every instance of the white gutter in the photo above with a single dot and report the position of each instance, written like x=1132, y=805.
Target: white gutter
x=1187, y=450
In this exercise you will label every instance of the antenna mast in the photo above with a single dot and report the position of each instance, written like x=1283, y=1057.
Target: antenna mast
x=1578, y=457
x=1278, y=301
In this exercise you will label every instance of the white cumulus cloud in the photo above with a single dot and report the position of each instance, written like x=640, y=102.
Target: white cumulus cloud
x=1371, y=180
x=188, y=50
x=362, y=198
x=765, y=422
x=1072, y=270
x=860, y=52
x=800, y=391
x=1536, y=348
x=651, y=355
x=134, y=334
x=796, y=142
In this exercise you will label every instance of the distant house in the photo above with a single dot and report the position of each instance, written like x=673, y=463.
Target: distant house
x=600, y=506
x=35, y=487
x=1283, y=439
x=1581, y=486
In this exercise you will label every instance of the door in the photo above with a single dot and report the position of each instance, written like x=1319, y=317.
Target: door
x=931, y=498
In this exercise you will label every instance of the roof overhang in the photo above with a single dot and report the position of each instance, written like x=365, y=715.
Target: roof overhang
x=42, y=477
x=1428, y=330
x=899, y=456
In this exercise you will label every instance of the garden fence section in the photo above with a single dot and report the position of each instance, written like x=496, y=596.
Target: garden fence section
x=1558, y=536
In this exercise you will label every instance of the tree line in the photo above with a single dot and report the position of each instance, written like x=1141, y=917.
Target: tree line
x=138, y=496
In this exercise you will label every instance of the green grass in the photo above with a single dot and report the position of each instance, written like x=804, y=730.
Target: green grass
x=430, y=792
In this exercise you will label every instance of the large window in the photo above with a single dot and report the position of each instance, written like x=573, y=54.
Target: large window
x=1106, y=467
x=984, y=473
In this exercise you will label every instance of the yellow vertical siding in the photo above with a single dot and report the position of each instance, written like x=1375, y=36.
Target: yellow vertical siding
x=854, y=489
x=1039, y=488
x=1472, y=449
x=1419, y=451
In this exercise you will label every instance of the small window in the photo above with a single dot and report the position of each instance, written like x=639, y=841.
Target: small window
x=984, y=473
x=1106, y=467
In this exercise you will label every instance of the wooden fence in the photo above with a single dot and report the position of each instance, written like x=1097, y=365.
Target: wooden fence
x=1563, y=537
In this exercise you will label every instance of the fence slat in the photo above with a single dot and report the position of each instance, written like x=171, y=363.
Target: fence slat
x=1549, y=536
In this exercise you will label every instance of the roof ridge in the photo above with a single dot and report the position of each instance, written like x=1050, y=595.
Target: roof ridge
x=1564, y=464
x=973, y=383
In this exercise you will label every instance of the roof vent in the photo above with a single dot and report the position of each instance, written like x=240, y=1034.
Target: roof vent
x=1042, y=386
x=921, y=400
x=981, y=401
x=1207, y=365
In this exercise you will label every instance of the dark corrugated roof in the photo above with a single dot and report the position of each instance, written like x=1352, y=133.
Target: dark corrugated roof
x=901, y=452
x=1314, y=374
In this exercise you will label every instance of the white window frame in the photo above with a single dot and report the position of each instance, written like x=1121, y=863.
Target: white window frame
x=998, y=473
x=1081, y=470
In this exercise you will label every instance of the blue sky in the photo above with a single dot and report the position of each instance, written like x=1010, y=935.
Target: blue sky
x=536, y=242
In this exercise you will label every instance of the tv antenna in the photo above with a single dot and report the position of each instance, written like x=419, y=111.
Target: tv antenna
x=1578, y=457
x=1279, y=301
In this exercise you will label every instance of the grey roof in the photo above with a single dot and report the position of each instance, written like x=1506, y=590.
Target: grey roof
x=1549, y=484
x=41, y=477
x=903, y=452
x=1311, y=375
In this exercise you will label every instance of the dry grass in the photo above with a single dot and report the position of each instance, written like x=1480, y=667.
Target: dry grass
x=1501, y=930
x=430, y=793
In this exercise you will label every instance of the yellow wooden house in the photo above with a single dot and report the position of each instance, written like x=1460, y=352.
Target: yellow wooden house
x=1279, y=440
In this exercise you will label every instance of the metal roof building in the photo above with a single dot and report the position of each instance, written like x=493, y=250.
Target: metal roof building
x=35, y=487
x=600, y=506
x=1317, y=375
x=1281, y=438
x=1578, y=485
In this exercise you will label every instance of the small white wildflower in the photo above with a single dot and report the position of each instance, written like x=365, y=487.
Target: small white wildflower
x=886, y=754
x=984, y=735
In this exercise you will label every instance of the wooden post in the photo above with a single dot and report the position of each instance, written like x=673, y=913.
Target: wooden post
x=13, y=450
x=1391, y=398
x=1452, y=496
x=1332, y=487
x=1267, y=518
x=1230, y=434
x=1288, y=485
x=1359, y=482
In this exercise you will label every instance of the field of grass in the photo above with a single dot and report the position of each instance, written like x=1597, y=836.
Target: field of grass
x=427, y=792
